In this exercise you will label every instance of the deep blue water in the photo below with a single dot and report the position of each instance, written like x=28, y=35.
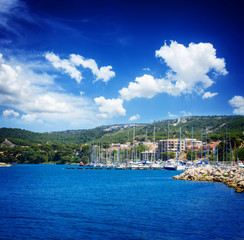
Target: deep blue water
x=52, y=202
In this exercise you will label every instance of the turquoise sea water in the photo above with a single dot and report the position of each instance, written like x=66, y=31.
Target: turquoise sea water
x=52, y=202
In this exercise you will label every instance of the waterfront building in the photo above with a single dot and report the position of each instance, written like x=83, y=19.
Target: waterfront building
x=171, y=145
x=116, y=146
x=178, y=145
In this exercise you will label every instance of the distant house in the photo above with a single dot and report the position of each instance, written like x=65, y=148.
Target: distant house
x=7, y=143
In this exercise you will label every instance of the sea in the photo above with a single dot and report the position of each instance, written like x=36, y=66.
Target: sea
x=53, y=202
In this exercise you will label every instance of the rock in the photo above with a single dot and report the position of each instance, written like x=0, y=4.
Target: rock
x=233, y=177
x=209, y=178
x=240, y=184
x=217, y=174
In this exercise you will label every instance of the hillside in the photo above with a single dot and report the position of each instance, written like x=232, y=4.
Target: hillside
x=216, y=128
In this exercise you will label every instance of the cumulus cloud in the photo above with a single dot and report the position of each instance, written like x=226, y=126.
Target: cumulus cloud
x=146, y=86
x=134, y=117
x=188, y=72
x=237, y=102
x=47, y=103
x=104, y=73
x=29, y=117
x=65, y=65
x=208, y=95
x=190, y=65
x=109, y=108
x=10, y=113
x=18, y=89
x=34, y=95
x=70, y=67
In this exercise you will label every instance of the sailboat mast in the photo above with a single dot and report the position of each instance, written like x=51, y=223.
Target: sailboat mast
x=168, y=143
x=154, y=144
x=201, y=145
x=230, y=149
x=133, y=154
x=146, y=152
x=127, y=150
x=191, y=142
x=93, y=153
x=223, y=151
x=205, y=144
x=226, y=145
x=179, y=146
x=119, y=155
x=101, y=153
x=110, y=159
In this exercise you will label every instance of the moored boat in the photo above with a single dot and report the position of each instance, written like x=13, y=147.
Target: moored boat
x=170, y=165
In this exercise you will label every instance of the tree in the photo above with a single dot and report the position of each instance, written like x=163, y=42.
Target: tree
x=240, y=153
x=85, y=150
x=191, y=155
x=165, y=156
x=85, y=160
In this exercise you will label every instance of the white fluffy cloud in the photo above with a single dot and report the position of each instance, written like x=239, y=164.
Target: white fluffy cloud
x=65, y=65
x=191, y=65
x=189, y=69
x=146, y=86
x=109, y=108
x=237, y=102
x=47, y=103
x=104, y=73
x=17, y=89
x=34, y=95
x=70, y=67
x=134, y=117
x=29, y=117
x=208, y=95
x=10, y=113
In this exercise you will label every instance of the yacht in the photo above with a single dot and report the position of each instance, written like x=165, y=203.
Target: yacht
x=170, y=165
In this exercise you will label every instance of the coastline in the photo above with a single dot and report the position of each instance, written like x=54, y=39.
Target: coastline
x=5, y=165
x=233, y=177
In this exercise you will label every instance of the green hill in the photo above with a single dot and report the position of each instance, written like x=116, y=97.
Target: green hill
x=216, y=128
x=64, y=147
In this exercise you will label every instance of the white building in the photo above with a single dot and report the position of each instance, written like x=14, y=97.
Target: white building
x=177, y=145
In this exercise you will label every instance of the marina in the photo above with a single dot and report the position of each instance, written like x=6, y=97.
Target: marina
x=177, y=154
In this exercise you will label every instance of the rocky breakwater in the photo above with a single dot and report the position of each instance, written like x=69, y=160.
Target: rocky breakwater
x=233, y=177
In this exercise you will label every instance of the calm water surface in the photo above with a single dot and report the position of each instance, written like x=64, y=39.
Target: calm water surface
x=52, y=202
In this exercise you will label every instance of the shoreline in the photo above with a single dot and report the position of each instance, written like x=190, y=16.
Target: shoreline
x=5, y=164
x=233, y=177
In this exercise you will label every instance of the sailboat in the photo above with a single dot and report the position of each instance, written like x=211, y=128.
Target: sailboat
x=170, y=163
x=177, y=164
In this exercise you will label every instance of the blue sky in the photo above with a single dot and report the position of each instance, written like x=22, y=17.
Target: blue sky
x=81, y=64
